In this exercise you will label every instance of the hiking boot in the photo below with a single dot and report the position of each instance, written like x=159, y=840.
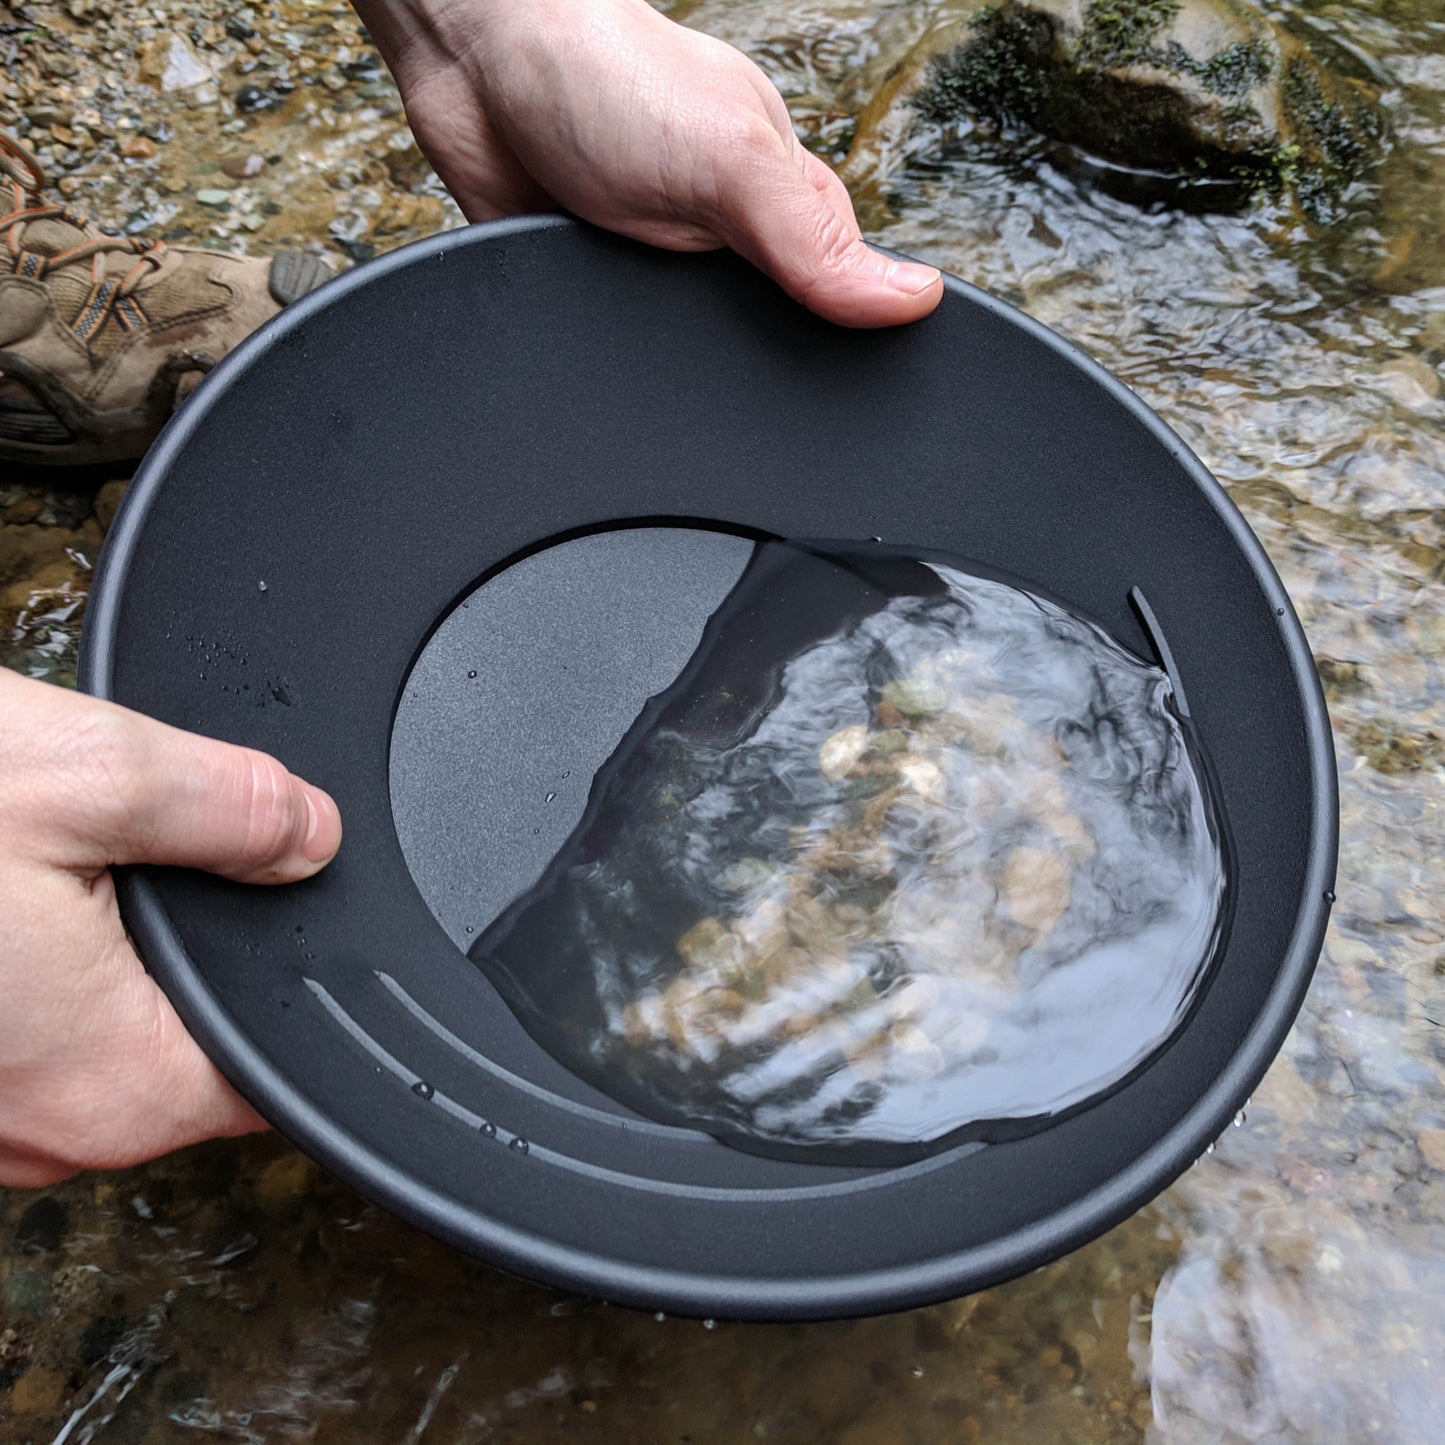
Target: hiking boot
x=102, y=336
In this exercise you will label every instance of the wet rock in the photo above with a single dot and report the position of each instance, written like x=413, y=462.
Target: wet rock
x=183, y=1387
x=914, y=698
x=251, y=98
x=108, y=500
x=100, y=1337
x=138, y=148
x=213, y=196
x=1085, y=1345
x=1341, y=678
x=169, y=62
x=842, y=752
x=19, y=507
x=1037, y=885
x=406, y=167
x=241, y=25
x=1190, y=91
x=367, y=67
x=49, y=115
x=1285, y=1094
x=357, y=251
x=1411, y=380
x=922, y=776
x=25, y=1294
x=284, y=1182
x=1390, y=747
x=244, y=167
x=41, y=1228
x=1302, y=1176
x=1432, y=1148
x=38, y=1392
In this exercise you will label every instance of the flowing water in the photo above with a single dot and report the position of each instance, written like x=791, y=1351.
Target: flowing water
x=904, y=856
x=1291, y=1286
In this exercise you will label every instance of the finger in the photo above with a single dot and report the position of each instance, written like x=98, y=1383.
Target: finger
x=199, y=803
x=23, y=1171
x=122, y=788
x=173, y=1095
x=784, y=210
x=139, y=1086
x=485, y=179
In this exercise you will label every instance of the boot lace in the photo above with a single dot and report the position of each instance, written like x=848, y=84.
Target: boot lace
x=108, y=296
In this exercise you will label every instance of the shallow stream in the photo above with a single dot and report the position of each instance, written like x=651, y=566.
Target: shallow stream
x=1291, y=1287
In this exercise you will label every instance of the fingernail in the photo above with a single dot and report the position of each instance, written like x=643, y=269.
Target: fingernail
x=323, y=826
x=911, y=278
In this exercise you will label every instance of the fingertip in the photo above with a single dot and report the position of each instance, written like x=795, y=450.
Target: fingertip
x=323, y=830
x=874, y=305
x=896, y=292
x=914, y=279
x=795, y=222
x=866, y=289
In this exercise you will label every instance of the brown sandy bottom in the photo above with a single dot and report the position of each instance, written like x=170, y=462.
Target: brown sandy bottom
x=1290, y=1286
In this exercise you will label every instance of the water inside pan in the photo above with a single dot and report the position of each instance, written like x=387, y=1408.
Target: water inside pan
x=903, y=855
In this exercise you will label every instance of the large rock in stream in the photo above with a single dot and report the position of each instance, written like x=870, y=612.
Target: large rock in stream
x=1188, y=90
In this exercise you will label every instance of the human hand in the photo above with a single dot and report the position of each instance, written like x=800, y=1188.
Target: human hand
x=96, y=1069
x=607, y=109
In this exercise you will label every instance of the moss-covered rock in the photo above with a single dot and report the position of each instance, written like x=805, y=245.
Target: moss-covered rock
x=1192, y=90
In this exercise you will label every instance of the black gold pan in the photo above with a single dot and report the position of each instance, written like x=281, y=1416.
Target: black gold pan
x=302, y=546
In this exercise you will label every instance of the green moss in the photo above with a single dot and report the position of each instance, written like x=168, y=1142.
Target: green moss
x=1122, y=32
x=1335, y=140
x=1232, y=72
x=998, y=74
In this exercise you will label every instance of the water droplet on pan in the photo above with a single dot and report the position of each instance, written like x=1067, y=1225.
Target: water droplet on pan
x=422, y=1089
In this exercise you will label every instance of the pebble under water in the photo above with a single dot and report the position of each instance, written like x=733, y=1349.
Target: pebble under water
x=1287, y=1290
x=906, y=855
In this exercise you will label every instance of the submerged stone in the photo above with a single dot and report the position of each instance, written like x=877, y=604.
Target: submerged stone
x=1191, y=91
x=25, y=1294
x=41, y=1228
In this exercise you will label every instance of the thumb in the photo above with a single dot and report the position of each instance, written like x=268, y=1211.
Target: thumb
x=139, y=791
x=787, y=212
